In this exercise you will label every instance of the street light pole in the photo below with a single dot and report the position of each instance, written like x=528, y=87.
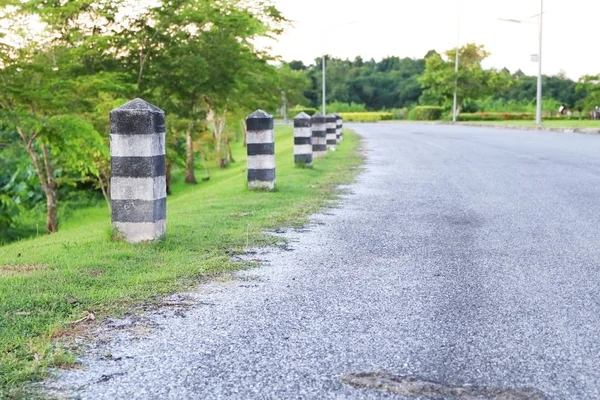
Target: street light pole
x=538, y=114
x=454, y=105
x=323, y=66
x=538, y=111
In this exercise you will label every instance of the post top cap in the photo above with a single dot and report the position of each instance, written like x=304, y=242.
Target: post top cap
x=138, y=104
x=318, y=119
x=302, y=115
x=259, y=114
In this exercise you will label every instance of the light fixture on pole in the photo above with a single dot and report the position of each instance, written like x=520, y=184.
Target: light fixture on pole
x=324, y=107
x=538, y=108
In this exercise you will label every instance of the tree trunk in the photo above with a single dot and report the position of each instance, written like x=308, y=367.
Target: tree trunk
x=46, y=176
x=51, y=212
x=229, y=153
x=50, y=191
x=245, y=132
x=168, y=178
x=190, y=176
x=105, y=188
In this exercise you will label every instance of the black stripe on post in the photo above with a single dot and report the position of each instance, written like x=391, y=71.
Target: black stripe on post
x=319, y=133
x=302, y=123
x=255, y=149
x=318, y=119
x=302, y=140
x=127, y=119
x=266, y=175
x=319, y=147
x=138, y=167
x=331, y=142
x=259, y=121
x=303, y=158
x=139, y=210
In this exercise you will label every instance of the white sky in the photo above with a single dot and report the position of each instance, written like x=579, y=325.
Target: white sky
x=409, y=28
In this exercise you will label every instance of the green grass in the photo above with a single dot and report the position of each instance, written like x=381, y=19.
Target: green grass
x=48, y=281
x=549, y=124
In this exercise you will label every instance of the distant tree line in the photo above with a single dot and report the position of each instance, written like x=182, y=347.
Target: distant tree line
x=395, y=82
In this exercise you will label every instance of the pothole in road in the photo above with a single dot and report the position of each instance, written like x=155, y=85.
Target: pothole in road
x=412, y=386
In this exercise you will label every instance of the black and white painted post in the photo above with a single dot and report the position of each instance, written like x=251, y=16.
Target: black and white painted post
x=338, y=128
x=319, y=141
x=260, y=142
x=331, y=122
x=138, y=168
x=303, y=140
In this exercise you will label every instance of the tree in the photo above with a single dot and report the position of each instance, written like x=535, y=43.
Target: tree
x=589, y=87
x=438, y=79
x=43, y=84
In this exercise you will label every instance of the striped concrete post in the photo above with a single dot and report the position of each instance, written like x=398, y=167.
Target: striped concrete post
x=338, y=128
x=138, y=185
x=302, y=140
x=331, y=122
x=319, y=142
x=261, y=150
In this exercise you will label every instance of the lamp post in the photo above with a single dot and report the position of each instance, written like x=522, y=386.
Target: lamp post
x=323, y=84
x=454, y=104
x=538, y=111
x=324, y=106
x=538, y=114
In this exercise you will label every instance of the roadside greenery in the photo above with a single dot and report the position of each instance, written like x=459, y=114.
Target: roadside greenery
x=195, y=59
x=398, y=85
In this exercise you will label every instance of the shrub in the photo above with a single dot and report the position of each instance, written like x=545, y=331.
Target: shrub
x=495, y=116
x=366, y=116
x=292, y=112
x=426, y=113
x=339, y=107
x=398, y=113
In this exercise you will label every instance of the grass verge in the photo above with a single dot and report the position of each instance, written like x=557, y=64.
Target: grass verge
x=50, y=281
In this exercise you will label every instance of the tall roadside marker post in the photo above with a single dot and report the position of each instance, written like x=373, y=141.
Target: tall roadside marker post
x=260, y=145
x=331, y=123
x=303, y=151
x=338, y=128
x=138, y=172
x=319, y=140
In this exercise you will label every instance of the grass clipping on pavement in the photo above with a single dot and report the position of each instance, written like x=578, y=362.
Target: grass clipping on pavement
x=49, y=283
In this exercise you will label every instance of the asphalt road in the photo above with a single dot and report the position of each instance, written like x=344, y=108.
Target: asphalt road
x=465, y=262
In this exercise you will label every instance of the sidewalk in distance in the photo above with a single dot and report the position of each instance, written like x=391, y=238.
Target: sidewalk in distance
x=592, y=127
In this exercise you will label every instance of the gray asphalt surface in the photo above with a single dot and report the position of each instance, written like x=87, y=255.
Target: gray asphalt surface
x=464, y=256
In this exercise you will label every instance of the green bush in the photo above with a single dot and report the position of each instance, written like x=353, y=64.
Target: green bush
x=339, y=107
x=298, y=109
x=426, y=113
x=495, y=116
x=398, y=113
x=366, y=116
